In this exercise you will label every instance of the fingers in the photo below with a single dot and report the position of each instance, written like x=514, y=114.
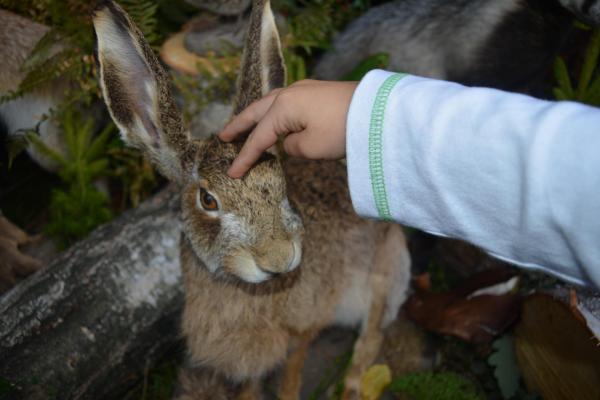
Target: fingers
x=263, y=137
x=248, y=118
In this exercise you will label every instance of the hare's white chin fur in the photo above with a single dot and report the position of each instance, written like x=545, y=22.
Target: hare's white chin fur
x=245, y=268
x=243, y=264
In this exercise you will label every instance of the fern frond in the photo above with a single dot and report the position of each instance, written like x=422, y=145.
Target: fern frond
x=34, y=139
x=561, y=74
x=99, y=144
x=593, y=93
x=589, y=64
x=143, y=13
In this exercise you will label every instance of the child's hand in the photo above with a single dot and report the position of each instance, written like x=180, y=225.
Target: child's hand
x=312, y=114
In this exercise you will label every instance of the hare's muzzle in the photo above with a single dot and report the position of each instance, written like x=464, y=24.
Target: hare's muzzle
x=261, y=264
x=281, y=256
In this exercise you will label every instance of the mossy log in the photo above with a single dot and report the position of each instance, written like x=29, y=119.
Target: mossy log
x=87, y=325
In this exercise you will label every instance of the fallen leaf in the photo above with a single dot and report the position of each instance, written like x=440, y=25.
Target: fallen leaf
x=468, y=311
x=374, y=382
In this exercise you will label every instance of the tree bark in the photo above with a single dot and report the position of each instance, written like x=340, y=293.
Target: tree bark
x=87, y=325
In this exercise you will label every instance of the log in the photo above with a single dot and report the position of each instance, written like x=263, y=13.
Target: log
x=88, y=325
x=558, y=355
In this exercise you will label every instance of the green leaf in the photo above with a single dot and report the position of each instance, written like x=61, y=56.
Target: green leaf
x=506, y=369
x=76, y=212
x=378, y=60
x=581, y=25
x=15, y=144
x=296, y=67
x=592, y=95
x=97, y=168
x=589, y=64
x=34, y=138
x=143, y=13
x=99, y=144
x=42, y=51
x=559, y=94
x=562, y=77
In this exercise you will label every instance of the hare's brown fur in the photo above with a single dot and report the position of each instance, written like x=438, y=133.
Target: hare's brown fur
x=286, y=305
x=250, y=304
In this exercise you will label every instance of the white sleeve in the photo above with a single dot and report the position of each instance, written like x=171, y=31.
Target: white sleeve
x=516, y=176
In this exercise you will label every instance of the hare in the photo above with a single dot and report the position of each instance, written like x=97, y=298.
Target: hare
x=506, y=44
x=268, y=260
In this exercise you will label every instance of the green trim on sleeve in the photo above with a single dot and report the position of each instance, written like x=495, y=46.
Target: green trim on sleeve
x=376, y=145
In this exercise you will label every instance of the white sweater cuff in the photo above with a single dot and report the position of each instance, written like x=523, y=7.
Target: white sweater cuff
x=365, y=124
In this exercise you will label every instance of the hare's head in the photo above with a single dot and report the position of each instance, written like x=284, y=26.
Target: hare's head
x=243, y=228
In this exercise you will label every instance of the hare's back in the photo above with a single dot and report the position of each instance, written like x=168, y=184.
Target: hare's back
x=320, y=191
x=338, y=246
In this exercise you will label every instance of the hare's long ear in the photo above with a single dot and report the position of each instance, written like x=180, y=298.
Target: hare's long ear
x=136, y=90
x=262, y=67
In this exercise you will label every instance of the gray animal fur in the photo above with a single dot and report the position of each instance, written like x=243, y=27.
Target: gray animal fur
x=499, y=43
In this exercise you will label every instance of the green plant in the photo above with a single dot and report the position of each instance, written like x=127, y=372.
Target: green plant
x=78, y=207
x=378, y=60
x=75, y=212
x=435, y=386
x=310, y=27
x=72, y=60
x=134, y=173
x=588, y=82
x=158, y=383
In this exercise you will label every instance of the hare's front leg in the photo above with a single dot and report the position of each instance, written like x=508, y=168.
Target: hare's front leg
x=367, y=345
x=250, y=391
x=197, y=383
x=291, y=380
x=388, y=282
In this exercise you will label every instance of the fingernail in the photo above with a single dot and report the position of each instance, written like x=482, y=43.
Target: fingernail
x=231, y=173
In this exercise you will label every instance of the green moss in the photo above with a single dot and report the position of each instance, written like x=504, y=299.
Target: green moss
x=435, y=386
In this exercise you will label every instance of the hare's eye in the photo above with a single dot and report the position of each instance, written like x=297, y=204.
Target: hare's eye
x=208, y=202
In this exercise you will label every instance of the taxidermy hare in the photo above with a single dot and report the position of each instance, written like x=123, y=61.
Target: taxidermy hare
x=506, y=44
x=269, y=260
